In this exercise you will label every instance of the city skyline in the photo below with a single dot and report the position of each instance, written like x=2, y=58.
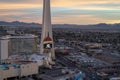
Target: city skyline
x=63, y=11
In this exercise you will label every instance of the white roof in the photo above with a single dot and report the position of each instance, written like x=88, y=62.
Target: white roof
x=36, y=57
x=4, y=38
x=24, y=36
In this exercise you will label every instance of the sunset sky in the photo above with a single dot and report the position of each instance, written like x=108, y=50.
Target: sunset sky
x=63, y=11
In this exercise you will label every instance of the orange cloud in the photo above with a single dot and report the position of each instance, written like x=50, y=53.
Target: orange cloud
x=18, y=6
x=71, y=4
x=55, y=3
x=82, y=19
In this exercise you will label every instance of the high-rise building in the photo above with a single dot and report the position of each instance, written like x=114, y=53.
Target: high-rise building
x=22, y=44
x=47, y=44
x=4, y=48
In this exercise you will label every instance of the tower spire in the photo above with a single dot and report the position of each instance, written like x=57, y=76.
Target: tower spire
x=48, y=34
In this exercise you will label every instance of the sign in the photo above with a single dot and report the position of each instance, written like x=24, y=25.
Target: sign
x=48, y=46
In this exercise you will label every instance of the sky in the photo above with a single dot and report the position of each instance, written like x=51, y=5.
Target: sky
x=63, y=11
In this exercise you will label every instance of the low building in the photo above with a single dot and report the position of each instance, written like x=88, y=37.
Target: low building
x=11, y=31
x=18, y=70
x=115, y=78
x=40, y=59
x=93, y=46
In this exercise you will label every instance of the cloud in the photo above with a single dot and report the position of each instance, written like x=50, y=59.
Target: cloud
x=63, y=11
x=18, y=6
x=60, y=3
x=21, y=1
x=86, y=16
x=81, y=19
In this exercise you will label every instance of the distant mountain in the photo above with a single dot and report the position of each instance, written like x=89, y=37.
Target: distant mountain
x=17, y=23
x=98, y=26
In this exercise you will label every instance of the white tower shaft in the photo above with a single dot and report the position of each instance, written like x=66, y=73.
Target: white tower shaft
x=47, y=27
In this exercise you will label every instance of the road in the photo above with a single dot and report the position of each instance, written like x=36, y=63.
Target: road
x=89, y=72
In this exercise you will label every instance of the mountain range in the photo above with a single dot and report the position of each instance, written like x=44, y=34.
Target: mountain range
x=101, y=25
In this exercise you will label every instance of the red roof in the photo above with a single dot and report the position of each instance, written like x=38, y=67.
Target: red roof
x=47, y=39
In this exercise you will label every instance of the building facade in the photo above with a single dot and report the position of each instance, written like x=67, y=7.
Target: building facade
x=23, y=44
x=18, y=70
x=4, y=48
